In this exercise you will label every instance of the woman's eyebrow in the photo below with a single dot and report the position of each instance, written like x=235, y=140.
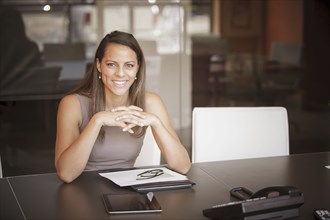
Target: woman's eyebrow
x=114, y=61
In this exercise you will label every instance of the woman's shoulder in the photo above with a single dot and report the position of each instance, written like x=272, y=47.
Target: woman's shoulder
x=152, y=98
x=69, y=98
x=73, y=99
x=154, y=102
x=70, y=109
x=68, y=101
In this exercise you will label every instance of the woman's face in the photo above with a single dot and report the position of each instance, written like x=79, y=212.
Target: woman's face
x=118, y=68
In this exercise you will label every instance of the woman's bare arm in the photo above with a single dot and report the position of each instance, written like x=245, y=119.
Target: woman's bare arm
x=72, y=148
x=172, y=149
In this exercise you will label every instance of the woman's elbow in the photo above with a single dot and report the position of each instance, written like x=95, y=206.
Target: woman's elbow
x=186, y=168
x=181, y=168
x=65, y=175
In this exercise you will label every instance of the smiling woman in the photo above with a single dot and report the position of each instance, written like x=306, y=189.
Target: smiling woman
x=102, y=123
x=117, y=69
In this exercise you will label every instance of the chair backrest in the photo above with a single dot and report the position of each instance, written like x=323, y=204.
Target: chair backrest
x=150, y=153
x=229, y=133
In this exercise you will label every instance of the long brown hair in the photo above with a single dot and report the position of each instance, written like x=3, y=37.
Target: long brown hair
x=92, y=87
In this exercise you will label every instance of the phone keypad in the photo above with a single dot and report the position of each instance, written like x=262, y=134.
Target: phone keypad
x=238, y=202
x=322, y=214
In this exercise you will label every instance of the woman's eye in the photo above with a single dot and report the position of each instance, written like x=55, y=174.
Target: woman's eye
x=111, y=64
x=129, y=65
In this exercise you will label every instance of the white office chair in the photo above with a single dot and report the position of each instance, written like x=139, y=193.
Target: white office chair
x=229, y=133
x=150, y=153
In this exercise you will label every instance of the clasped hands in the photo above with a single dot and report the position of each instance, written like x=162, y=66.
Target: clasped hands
x=128, y=117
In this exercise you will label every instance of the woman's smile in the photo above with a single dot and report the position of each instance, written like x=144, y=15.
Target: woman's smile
x=120, y=83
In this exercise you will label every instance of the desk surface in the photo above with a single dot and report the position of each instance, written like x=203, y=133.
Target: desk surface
x=45, y=196
x=307, y=172
x=9, y=207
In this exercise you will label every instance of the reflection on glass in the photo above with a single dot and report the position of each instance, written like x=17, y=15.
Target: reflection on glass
x=50, y=27
x=18, y=53
x=116, y=18
x=161, y=23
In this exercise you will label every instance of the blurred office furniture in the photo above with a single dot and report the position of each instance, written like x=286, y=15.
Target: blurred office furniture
x=208, y=69
x=286, y=53
x=18, y=53
x=281, y=73
x=149, y=47
x=242, y=80
x=27, y=119
x=34, y=81
x=72, y=58
x=64, y=51
x=225, y=71
x=150, y=153
x=241, y=71
x=229, y=133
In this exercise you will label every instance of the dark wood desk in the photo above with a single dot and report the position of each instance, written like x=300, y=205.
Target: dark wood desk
x=307, y=172
x=9, y=206
x=46, y=197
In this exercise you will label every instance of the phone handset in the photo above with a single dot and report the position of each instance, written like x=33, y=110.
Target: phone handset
x=281, y=190
x=243, y=193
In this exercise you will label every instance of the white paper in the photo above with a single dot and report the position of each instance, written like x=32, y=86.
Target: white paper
x=128, y=177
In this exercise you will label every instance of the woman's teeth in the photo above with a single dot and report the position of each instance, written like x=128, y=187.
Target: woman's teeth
x=119, y=83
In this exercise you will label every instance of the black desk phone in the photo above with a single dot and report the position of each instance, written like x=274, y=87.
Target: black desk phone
x=277, y=202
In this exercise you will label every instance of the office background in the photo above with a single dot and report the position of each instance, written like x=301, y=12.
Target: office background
x=198, y=52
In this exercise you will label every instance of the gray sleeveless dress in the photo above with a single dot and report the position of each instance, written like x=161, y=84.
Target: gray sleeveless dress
x=118, y=149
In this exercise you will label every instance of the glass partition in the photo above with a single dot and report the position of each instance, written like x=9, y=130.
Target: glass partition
x=66, y=34
x=198, y=52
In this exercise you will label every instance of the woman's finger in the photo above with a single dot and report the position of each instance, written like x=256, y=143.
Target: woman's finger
x=134, y=121
x=129, y=128
x=125, y=108
x=131, y=114
x=133, y=107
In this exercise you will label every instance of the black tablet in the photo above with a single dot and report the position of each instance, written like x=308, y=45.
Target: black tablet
x=131, y=203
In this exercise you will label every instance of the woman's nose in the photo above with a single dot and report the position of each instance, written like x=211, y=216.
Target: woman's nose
x=120, y=71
